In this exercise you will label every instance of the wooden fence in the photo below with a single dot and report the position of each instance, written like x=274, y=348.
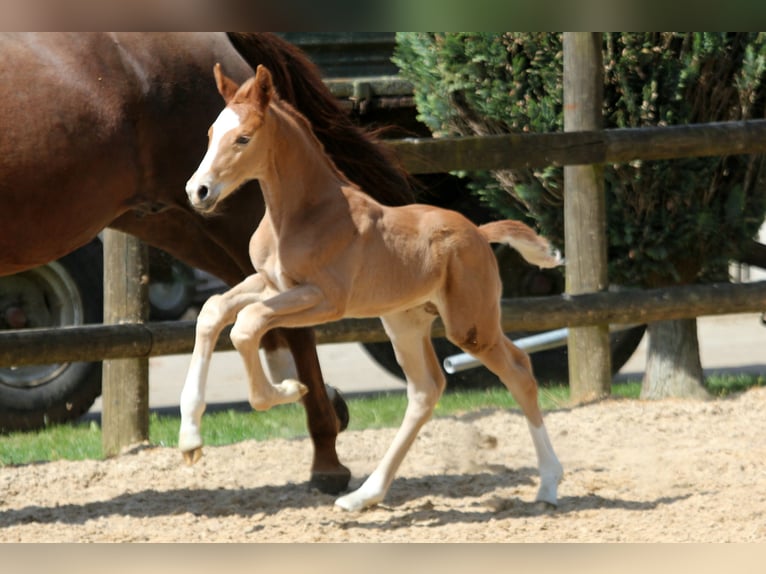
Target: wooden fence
x=97, y=342
x=508, y=151
x=572, y=148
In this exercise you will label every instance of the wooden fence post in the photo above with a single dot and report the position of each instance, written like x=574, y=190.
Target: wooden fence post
x=125, y=382
x=590, y=371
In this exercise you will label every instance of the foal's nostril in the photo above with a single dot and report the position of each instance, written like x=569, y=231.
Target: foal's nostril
x=203, y=192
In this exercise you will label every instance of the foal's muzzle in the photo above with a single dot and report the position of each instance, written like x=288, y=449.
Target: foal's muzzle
x=200, y=196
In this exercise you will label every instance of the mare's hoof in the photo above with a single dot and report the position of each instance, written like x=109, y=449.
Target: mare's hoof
x=333, y=482
x=340, y=407
x=192, y=456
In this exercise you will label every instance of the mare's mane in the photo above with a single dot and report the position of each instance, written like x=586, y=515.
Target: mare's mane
x=356, y=153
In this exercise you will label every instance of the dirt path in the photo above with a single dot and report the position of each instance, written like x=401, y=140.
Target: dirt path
x=635, y=471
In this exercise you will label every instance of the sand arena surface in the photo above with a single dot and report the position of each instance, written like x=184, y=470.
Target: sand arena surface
x=635, y=471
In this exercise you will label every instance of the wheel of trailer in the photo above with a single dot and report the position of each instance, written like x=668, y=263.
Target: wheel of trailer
x=66, y=292
x=171, y=293
x=550, y=366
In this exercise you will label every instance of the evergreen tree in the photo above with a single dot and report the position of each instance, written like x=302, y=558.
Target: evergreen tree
x=669, y=222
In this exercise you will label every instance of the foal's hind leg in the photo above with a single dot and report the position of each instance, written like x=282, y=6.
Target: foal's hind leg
x=409, y=332
x=217, y=312
x=513, y=367
x=473, y=324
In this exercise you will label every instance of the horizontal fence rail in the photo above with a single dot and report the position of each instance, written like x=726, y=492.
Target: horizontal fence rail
x=508, y=151
x=96, y=342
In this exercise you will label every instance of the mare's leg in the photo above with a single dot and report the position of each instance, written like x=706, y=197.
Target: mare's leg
x=512, y=365
x=409, y=332
x=217, y=312
x=326, y=412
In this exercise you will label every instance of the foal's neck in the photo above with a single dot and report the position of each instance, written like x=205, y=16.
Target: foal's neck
x=301, y=176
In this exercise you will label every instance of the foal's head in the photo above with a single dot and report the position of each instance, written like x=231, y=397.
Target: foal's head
x=231, y=158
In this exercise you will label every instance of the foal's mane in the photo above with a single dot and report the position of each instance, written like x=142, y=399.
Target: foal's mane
x=357, y=155
x=305, y=125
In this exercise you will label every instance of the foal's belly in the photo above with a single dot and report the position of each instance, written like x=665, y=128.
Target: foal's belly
x=375, y=299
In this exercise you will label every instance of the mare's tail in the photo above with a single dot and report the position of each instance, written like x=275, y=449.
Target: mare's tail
x=523, y=239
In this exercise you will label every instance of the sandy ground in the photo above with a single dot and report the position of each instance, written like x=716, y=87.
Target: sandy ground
x=636, y=471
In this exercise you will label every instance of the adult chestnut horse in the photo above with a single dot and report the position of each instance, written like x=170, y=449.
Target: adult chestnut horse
x=102, y=130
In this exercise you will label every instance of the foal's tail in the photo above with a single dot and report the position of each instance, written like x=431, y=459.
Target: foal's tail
x=523, y=239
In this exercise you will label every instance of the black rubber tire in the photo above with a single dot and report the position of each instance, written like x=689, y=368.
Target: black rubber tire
x=75, y=386
x=172, y=293
x=549, y=366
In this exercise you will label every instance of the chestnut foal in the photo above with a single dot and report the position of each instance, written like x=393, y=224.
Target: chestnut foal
x=325, y=250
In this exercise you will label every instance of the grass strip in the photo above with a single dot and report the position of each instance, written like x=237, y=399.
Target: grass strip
x=82, y=440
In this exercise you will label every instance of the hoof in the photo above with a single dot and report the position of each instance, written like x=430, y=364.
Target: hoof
x=349, y=504
x=192, y=456
x=372, y=491
x=331, y=482
x=354, y=502
x=292, y=389
x=543, y=507
x=340, y=407
x=548, y=492
x=300, y=387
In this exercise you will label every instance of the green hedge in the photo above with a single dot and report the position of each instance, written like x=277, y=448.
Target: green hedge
x=669, y=222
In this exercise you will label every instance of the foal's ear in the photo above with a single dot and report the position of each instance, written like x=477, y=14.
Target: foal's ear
x=226, y=86
x=264, y=87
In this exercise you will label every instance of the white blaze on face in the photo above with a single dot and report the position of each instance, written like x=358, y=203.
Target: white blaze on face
x=225, y=123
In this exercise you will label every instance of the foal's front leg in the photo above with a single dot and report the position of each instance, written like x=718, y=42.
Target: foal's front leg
x=301, y=306
x=217, y=312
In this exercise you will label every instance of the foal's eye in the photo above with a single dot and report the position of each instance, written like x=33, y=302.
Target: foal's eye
x=243, y=140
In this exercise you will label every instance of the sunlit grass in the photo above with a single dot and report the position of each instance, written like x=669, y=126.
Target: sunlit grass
x=724, y=385
x=79, y=441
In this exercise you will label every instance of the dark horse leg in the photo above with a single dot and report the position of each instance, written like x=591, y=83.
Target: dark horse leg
x=325, y=417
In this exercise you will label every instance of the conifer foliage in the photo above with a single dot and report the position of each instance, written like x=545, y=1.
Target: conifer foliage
x=676, y=221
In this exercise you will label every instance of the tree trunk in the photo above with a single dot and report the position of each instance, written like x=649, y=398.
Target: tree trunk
x=673, y=367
